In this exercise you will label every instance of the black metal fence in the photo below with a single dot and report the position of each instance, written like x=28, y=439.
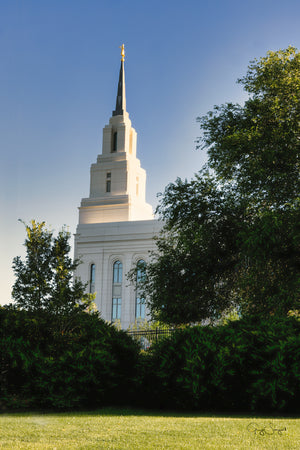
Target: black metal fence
x=147, y=337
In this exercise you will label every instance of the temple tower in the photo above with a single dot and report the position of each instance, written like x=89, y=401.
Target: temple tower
x=116, y=226
x=117, y=183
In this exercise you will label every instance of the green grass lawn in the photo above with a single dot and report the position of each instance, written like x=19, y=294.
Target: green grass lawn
x=126, y=429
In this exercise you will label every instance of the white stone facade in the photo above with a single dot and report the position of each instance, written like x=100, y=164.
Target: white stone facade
x=116, y=226
x=102, y=245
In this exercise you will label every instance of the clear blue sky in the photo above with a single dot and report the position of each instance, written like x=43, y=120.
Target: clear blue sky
x=59, y=63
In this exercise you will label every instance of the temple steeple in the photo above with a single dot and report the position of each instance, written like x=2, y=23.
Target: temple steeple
x=121, y=96
x=118, y=182
x=116, y=228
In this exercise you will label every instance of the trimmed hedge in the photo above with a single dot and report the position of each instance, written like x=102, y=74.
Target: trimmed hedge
x=247, y=365
x=243, y=366
x=91, y=365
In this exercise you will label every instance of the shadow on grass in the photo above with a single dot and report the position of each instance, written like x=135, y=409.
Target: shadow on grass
x=128, y=411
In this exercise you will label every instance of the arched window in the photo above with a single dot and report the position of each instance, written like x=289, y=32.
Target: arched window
x=115, y=142
x=92, y=278
x=140, y=304
x=118, y=267
x=117, y=290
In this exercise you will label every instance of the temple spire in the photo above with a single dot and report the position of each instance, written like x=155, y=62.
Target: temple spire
x=121, y=97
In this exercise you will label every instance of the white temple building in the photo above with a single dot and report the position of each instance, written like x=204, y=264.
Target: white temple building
x=116, y=226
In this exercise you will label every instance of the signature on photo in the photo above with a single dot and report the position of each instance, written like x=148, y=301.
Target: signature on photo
x=266, y=430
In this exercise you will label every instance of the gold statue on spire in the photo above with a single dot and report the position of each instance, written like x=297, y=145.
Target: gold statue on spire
x=122, y=52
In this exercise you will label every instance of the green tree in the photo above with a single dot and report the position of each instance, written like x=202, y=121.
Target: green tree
x=192, y=272
x=44, y=281
x=231, y=236
x=256, y=149
x=32, y=288
x=256, y=146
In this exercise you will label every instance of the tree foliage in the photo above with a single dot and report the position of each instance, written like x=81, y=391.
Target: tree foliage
x=231, y=236
x=44, y=280
x=256, y=145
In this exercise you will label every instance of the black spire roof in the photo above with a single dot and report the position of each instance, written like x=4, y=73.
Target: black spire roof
x=121, y=98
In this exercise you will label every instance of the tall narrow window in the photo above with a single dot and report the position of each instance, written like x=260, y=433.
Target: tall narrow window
x=118, y=268
x=130, y=142
x=92, y=278
x=108, y=182
x=117, y=290
x=115, y=142
x=137, y=186
x=116, y=309
x=140, y=304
